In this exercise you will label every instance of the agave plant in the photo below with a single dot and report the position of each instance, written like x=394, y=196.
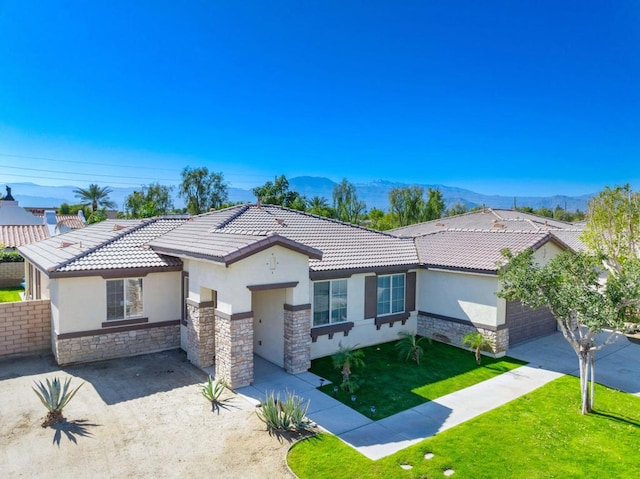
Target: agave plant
x=213, y=389
x=409, y=346
x=477, y=342
x=54, y=396
x=283, y=415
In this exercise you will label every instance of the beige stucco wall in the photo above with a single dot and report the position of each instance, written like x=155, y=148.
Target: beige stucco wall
x=364, y=332
x=547, y=251
x=461, y=295
x=80, y=304
x=231, y=282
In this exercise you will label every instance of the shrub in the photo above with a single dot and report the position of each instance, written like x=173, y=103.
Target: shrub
x=476, y=341
x=409, y=346
x=10, y=257
x=283, y=415
x=54, y=397
x=345, y=359
x=212, y=390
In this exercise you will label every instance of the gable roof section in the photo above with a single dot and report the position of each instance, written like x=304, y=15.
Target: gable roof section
x=331, y=245
x=487, y=219
x=476, y=251
x=13, y=236
x=108, y=246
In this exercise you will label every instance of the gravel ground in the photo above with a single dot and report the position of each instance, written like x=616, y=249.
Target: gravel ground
x=133, y=417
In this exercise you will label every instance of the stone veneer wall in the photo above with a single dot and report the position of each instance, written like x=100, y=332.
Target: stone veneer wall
x=234, y=348
x=11, y=274
x=25, y=327
x=116, y=344
x=452, y=332
x=201, y=346
x=297, y=339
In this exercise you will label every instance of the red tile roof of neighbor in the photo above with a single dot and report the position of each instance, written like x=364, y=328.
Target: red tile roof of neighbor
x=12, y=236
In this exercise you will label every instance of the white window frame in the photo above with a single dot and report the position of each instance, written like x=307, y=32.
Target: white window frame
x=125, y=290
x=332, y=297
x=393, y=278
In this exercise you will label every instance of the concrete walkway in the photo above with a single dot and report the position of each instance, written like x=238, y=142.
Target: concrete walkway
x=548, y=357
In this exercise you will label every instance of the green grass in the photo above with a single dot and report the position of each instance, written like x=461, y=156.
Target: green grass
x=10, y=295
x=394, y=385
x=540, y=435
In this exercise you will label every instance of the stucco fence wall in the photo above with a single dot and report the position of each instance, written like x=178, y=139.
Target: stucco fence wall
x=25, y=327
x=11, y=274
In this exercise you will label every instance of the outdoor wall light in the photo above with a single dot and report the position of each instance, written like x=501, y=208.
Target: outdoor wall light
x=335, y=391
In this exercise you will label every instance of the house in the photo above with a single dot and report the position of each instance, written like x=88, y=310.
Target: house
x=282, y=284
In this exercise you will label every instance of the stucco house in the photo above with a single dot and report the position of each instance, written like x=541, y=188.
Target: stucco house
x=278, y=283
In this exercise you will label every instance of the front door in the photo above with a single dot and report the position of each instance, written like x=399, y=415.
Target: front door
x=268, y=324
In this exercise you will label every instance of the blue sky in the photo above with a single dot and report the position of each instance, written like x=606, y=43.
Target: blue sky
x=501, y=97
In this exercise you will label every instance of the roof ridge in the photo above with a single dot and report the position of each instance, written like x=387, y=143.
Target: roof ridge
x=241, y=209
x=84, y=254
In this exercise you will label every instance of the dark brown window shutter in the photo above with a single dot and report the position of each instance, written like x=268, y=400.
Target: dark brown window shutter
x=370, y=297
x=410, y=293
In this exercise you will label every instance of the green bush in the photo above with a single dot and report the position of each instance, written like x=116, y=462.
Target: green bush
x=283, y=415
x=10, y=257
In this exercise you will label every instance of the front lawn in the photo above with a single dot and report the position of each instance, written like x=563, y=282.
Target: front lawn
x=393, y=385
x=540, y=435
x=10, y=295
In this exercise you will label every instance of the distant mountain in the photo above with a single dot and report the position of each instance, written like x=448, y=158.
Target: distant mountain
x=375, y=194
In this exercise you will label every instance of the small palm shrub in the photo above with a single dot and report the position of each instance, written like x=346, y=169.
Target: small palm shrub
x=477, y=342
x=345, y=359
x=54, y=396
x=283, y=415
x=409, y=346
x=212, y=390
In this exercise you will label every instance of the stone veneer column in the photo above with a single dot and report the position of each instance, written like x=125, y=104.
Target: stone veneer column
x=234, y=348
x=297, y=338
x=200, y=333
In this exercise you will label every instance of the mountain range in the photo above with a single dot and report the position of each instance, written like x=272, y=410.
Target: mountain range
x=374, y=194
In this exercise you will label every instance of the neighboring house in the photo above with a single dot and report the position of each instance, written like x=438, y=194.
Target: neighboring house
x=285, y=285
x=19, y=226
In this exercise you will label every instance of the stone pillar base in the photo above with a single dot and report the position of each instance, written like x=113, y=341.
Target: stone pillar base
x=234, y=349
x=297, y=338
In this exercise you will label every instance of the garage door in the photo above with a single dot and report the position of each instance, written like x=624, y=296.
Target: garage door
x=525, y=323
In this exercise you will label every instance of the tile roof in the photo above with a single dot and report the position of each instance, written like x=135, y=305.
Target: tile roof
x=108, y=245
x=474, y=250
x=487, y=219
x=343, y=246
x=72, y=221
x=571, y=237
x=12, y=236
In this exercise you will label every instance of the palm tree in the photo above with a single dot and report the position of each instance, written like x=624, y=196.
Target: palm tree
x=476, y=341
x=96, y=196
x=345, y=359
x=409, y=346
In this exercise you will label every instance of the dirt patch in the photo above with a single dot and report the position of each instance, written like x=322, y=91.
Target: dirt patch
x=134, y=417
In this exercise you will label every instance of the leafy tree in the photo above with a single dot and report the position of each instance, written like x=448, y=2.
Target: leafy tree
x=570, y=286
x=64, y=209
x=406, y=204
x=434, y=206
x=152, y=200
x=476, y=341
x=97, y=216
x=380, y=220
x=613, y=226
x=95, y=196
x=278, y=193
x=202, y=190
x=345, y=359
x=320, y=206
x=456, y=209
x=345, y=201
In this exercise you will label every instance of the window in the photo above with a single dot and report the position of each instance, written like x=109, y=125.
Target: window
x=329, y=302
x=124, y=298
x=391, y=294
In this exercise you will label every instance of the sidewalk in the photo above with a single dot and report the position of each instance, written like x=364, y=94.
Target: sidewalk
x=377, y=439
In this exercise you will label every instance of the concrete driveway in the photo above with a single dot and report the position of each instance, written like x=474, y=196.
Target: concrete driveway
x=617, y=365
x=133, y=418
